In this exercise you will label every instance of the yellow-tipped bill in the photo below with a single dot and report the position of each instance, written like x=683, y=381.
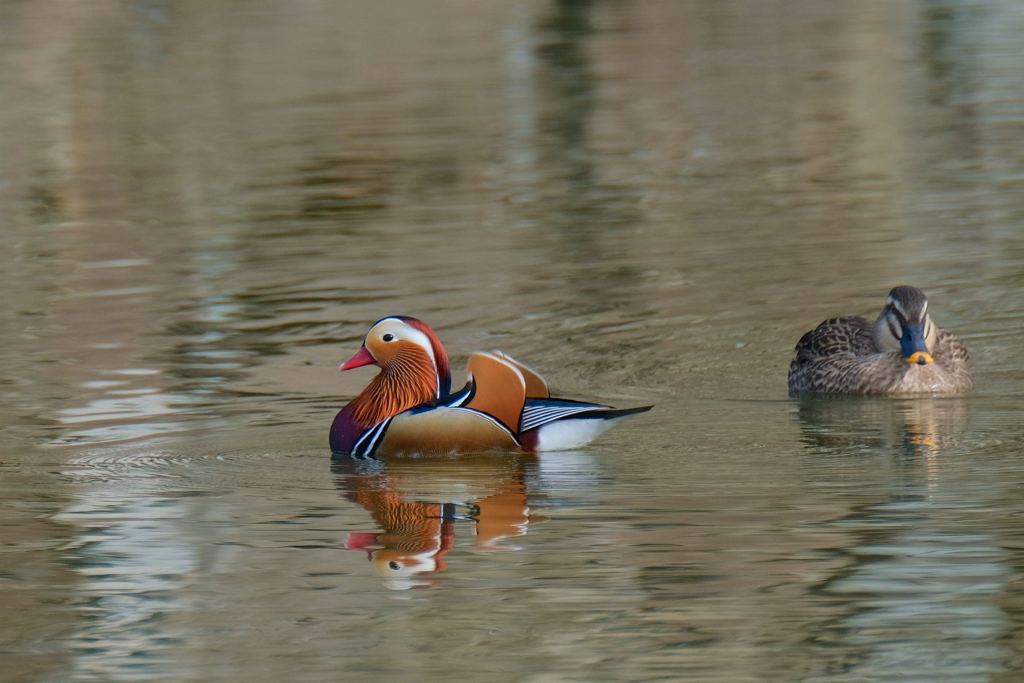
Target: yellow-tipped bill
x=920, y=358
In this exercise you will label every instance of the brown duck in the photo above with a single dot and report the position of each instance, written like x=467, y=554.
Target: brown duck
x=902, y=352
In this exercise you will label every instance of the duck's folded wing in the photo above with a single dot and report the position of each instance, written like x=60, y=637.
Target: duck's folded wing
x=499, y=389
x=847, y=335
x=536, y=387
x=949, y=346
x=539, y=412
x=560, y=424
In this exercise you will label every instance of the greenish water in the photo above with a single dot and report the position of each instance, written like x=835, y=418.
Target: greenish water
x=204, y=205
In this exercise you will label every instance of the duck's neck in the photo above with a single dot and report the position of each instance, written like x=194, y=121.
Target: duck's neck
x=409, y=379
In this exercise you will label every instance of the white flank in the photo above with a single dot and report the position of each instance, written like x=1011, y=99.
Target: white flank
x=567, y=434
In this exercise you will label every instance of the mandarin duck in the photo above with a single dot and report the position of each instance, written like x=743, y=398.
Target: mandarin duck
x=409, y=407
x=902, y=352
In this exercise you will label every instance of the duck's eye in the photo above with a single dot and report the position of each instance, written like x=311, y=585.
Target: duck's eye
x=392, y=564
x=388, y=337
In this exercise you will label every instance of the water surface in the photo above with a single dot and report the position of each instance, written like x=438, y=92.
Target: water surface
x=204, y=205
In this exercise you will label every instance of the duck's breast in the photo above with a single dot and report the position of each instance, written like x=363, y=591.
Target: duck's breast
x=931, y=379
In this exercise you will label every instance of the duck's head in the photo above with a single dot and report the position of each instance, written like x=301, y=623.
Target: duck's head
x=409, y=353
x=905, y=326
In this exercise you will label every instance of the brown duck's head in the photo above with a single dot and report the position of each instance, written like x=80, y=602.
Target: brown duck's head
x=905, y=326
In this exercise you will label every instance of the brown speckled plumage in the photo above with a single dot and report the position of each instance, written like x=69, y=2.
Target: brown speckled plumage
x=841, y=356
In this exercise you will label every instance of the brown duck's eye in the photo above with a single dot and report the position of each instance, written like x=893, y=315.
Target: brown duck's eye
x=388, y=337
x=392, y=564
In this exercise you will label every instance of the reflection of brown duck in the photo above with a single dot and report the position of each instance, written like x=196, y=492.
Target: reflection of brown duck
x=918, y=427
x=487, y=490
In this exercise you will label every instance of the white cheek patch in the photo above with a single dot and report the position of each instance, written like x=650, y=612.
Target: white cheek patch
x=895, y=329
x=886, y=333
x=931, y=335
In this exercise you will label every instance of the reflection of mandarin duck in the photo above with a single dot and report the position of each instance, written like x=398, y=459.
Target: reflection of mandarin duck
x=416, y=534
x=903, y=352
x=408, y=406
x=415, y=537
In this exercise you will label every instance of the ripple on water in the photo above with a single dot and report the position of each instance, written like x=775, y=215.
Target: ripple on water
x=206, y=466
x=130, y=407
x=124, y=464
